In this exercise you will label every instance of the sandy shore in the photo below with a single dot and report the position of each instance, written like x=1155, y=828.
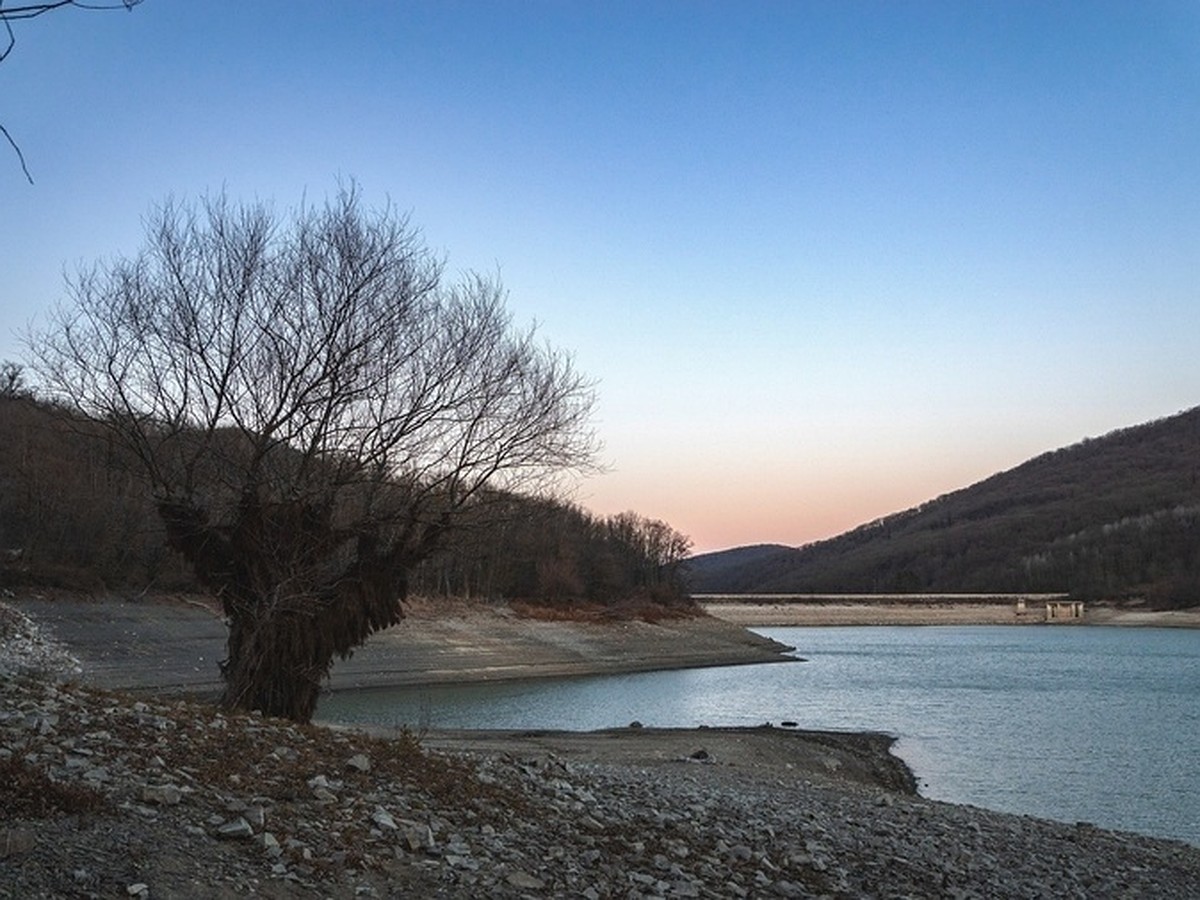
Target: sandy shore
x=174, y=644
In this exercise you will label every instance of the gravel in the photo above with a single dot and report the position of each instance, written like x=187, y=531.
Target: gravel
x=26, y=650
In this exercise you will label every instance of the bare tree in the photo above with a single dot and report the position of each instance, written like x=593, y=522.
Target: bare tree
x=658, y=547
x=10, y=14
x=12, y=379
x=314, y=409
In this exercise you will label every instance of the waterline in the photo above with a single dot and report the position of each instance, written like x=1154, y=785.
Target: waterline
x=1076, y=724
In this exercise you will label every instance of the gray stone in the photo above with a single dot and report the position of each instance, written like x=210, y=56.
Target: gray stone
x=419, y=837
x=162, y=794
x=238, y=829
x=524, y=881
x=15, y=841
x=383, y=819
x=256, y=816
x=740, y=853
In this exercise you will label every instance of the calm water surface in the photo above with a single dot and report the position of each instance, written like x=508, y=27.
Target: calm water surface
x=1070, y=723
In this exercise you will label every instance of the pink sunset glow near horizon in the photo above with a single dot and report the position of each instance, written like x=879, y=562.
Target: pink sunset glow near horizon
x=825, y=260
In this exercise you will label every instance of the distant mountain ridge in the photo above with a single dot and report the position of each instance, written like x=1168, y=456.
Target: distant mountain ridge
x=1112, y=516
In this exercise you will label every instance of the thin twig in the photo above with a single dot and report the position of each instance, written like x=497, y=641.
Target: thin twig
x=17, y=150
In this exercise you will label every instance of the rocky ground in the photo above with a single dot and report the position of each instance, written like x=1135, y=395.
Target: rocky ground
x=110, y=795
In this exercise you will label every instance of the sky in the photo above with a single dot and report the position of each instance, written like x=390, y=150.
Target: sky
x=825, y=260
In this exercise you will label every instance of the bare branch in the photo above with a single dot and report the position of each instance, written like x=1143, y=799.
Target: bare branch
x=10, y=14
x=16, y=149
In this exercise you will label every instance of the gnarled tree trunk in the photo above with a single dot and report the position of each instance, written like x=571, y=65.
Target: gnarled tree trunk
x=285, y=630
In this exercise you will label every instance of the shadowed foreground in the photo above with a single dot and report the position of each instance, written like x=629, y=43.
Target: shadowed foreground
x=176, y=799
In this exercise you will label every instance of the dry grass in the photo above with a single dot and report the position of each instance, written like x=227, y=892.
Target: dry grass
x=275, y=758
x=26, y=792
x=633, y=609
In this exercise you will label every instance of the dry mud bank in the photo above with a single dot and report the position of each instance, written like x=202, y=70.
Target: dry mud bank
x=174, y=644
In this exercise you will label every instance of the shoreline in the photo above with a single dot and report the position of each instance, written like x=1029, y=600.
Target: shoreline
x=188, y=800
x=199, y=800
x=850, y=759
x=172, y=644
x=762, y=613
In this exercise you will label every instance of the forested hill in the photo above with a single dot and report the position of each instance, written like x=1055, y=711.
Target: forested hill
x=75, y=513
x=1115, y=516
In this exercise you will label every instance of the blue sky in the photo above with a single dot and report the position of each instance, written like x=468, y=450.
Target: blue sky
x=826, y=260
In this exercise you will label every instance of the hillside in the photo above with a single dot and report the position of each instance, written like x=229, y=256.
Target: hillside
x=76, y=512
x=1107, y=517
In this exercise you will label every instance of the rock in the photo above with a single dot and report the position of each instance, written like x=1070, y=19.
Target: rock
x=238, y=829
x=256, y=816
x=383, y=819
x=359, y=762
x=139, y=889
x=163, y=795
x=15, y=841
x=740, y=853
x=269, y=842
x=524, y=881
x=419, y=837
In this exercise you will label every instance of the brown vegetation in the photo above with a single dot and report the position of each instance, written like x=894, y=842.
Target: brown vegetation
x=27, y=792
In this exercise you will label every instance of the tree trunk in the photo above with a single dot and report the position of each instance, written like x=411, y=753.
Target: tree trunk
x=282, y=641
x=274, y=664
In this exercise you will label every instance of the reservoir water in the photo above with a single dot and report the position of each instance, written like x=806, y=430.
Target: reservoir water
x=1073, y=723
